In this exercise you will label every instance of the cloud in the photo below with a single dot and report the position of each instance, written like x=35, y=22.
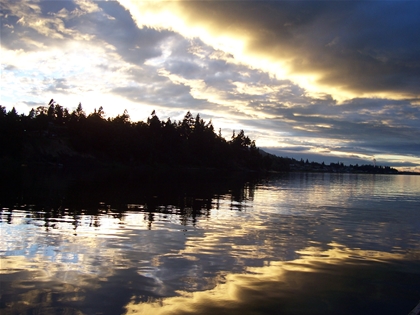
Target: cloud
x=349, y=48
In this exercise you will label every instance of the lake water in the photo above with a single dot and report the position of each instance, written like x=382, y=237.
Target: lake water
x=193, y=243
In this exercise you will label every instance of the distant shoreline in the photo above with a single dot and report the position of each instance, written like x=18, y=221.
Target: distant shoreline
x=93, y=164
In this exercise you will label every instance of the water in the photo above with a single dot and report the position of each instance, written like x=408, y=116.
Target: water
x=193, y=243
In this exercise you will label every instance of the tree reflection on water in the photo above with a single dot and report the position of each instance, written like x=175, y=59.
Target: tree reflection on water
x=53, y=194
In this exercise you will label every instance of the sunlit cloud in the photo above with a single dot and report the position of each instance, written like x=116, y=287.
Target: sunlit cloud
x=239, y=29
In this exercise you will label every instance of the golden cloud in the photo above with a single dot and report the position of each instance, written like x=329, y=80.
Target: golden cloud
x=285, y=40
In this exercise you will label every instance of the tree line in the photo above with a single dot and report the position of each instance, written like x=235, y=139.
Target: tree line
x=53, y=134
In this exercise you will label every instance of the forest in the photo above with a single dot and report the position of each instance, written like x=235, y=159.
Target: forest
x=53, y=135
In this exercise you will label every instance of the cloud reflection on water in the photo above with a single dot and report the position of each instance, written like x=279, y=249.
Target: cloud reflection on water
x=316, y=283
x=299, y=244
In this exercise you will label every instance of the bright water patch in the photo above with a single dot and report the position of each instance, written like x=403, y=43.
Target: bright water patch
x=291, y=244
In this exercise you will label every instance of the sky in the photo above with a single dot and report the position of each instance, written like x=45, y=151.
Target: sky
x=332, y=81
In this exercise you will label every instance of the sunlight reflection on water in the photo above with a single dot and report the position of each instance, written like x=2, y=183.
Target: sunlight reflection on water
x=289, y=245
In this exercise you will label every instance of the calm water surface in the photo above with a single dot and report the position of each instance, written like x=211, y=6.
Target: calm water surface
x=198, y=244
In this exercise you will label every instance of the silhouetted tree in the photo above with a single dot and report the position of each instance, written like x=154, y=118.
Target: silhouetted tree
x=2, y=112
x=122, y=119
x=187, y=125
x=190, y=142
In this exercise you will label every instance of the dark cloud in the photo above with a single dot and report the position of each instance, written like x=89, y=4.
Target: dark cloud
x=133, y=44
x=169, y=96
x=51, y=23
x=30, y=25
x=363, y=46
x=59, y=85
x=365, y=126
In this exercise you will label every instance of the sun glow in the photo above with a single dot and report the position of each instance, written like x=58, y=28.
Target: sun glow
x=171, y=16
x=163, y=15
x=237, y=42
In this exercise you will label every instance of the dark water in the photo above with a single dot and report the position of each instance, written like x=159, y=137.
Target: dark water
x=207, y=243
